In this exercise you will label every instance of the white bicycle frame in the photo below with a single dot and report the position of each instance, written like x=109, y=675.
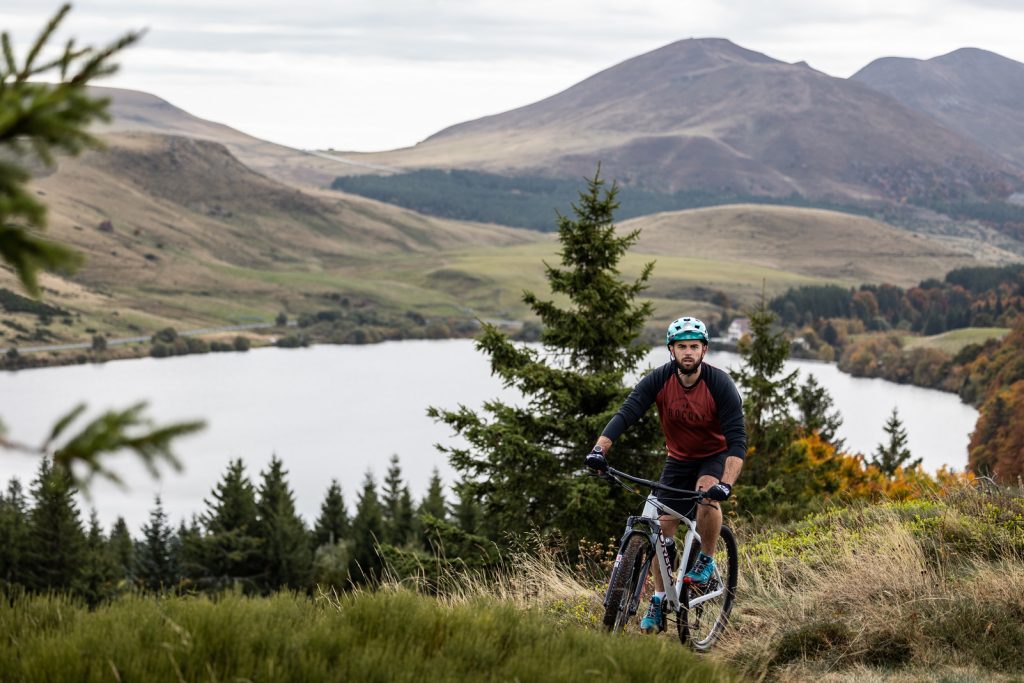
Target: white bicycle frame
x=673, y=591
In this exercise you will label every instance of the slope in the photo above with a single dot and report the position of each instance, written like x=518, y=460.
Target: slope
x=976, y=93
x=705, y=114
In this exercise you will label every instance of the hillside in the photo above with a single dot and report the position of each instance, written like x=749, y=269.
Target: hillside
x=976, y=93
x=134, y=111
x=810, y=242
x=177, y=230
x=705, y=114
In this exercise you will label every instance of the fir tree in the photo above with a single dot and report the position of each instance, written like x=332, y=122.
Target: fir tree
x=524, y=463
x=232, y=550
x=466, y=510
x=433, y=503
x=768, y=396
x=397, y=506
x=365, y=565
x=817, y=413
x=332, y=526
x=285, y=541
x=190, y=552
x=56, y=550
x=101, y=576
x=890, y=456
x=123, y=548
x=46, y=107
x=157, y=567
x=14, y=530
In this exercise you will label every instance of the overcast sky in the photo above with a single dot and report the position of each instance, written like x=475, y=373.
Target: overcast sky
x=379, y=74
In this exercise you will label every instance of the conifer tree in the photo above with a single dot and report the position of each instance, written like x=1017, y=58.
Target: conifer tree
x=56, y=549
x=524, y=463
x=101, y=577
x=285, y=542
x=433, y=503
x=123, y=549
x=45, y=108
x=232, y=550
x=817, y=414
x=157, y=567
x=894, y=454
x=13, y=533
x=367, y=528
x=397, y=506
x=466, y=512
x=190, y=553
x=332, y=525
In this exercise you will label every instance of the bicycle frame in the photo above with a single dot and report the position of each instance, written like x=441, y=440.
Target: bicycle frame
x=648, y=523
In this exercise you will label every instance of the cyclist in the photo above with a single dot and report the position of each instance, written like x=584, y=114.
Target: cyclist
x=702, y=418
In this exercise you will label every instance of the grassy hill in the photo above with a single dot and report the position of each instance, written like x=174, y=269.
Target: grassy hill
x=915, y=590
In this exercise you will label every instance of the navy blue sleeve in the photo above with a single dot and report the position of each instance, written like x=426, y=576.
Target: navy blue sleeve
x=638, y=402
x=730, y=410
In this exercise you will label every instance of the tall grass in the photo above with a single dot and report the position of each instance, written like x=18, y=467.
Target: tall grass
x=917, y=590
x=392, y=634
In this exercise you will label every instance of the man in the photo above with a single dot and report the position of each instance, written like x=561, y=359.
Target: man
x=702, y=418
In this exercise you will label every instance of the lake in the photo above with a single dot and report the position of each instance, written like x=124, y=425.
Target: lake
x=335, y=412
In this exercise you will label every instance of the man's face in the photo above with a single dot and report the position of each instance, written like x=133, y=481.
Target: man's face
x=688, y=352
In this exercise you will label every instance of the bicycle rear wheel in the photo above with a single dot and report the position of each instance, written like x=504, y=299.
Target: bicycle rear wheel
x=626, y=583
x=702, y=624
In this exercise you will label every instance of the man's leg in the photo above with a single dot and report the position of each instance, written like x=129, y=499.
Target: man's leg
x=709, y=518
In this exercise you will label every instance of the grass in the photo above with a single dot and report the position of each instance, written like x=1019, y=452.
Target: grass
x=918, y=590
x=954, y=340
x=389, y=635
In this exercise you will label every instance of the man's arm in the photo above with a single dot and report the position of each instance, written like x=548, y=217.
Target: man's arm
x=733, y=466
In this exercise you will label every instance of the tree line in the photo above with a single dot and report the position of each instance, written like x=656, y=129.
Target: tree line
x=249, y=536
x=983, y=296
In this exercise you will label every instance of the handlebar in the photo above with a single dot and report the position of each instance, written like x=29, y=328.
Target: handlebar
x=695, y=495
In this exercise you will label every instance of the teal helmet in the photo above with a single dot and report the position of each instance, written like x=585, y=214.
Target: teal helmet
x=686, y=328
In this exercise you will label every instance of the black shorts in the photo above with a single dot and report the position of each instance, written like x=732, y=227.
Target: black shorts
x=684, y=474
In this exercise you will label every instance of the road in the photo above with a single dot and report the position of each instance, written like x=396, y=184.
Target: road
x=136, y=340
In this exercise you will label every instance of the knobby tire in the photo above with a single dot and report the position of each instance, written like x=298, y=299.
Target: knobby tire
x=623, y=595
x=702, y=625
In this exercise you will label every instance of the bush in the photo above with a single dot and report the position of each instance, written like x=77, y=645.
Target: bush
x=241, y=343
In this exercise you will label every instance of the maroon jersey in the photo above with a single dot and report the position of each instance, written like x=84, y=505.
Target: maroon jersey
x=700, y=421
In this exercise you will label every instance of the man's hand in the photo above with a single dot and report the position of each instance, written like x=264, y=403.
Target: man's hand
x=596, y=460
x=720, y=491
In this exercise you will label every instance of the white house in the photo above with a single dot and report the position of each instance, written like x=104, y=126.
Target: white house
x=737, y=328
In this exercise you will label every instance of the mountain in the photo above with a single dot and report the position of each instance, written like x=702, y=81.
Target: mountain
x=708, y=115
x=140, y=112
x=176, y=230
x=976, y=93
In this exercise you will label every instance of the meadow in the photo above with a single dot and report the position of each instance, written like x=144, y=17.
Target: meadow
x=903, y=590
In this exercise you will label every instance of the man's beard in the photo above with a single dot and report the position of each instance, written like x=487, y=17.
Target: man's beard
x=692, y=370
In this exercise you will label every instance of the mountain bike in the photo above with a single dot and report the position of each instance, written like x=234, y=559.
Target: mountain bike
x=701, y=613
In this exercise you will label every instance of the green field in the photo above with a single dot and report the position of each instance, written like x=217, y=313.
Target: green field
x=954, y=340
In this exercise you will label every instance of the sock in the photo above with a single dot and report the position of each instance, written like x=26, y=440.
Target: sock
x=660, y=595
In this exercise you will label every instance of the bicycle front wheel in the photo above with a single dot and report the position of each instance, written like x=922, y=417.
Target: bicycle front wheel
x=702, y=623
x=627, y=583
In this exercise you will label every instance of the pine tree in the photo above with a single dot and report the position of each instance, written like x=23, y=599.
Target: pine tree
x=332, y=526
x=367, y=528
x=817, y=413
x=14, y=530
x=101, y=577
x=123, y=549
x=433, y=503
x=288, y=561
x=768, y=396
x=56, y=548
x=157, y=567
x=190, y=553
x=524, y=463
x=466, y=511
x=890, y=456
x=232, y=551
x=397, y=506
